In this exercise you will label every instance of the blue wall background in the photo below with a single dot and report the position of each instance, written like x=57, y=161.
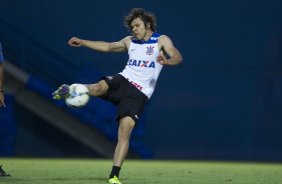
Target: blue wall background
x=222, y=102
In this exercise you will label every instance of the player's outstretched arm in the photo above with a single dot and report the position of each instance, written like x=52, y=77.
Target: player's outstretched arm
x=167, y=46
x=101, y=46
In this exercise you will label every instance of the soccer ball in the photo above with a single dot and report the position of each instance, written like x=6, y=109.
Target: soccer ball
x=78, y=96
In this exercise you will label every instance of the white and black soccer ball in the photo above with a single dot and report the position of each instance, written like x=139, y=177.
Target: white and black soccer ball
x=78, y=96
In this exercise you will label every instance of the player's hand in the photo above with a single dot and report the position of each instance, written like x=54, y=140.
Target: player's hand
x=2, y=103
x=75, y=42
x=162, y=59
x=62, y=92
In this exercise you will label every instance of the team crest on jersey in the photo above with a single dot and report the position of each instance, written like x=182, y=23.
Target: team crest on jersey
x=150, y=50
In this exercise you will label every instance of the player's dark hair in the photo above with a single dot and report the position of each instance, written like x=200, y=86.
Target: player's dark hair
x=145, y=16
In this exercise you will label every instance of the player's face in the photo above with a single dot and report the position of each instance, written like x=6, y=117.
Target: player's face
x=138, y=29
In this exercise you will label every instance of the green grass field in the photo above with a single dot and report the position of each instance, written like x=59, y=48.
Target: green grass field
x=91, y=171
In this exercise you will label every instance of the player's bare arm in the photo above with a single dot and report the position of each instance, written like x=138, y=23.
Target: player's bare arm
x=2, y=103
x=101, y=46
x=167, y=46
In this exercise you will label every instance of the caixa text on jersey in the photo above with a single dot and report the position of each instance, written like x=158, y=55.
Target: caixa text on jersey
x=140, y=63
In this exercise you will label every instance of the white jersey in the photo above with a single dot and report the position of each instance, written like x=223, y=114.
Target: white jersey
x=142, y=68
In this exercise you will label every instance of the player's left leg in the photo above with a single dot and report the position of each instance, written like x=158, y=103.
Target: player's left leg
x=126, y=126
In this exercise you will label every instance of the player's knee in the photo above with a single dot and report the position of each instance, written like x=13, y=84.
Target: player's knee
x=97, y=89
x=94, y=89
x=126, y=125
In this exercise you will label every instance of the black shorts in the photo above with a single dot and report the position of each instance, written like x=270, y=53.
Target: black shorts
x=128, y=99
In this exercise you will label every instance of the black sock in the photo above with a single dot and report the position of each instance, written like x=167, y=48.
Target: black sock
x=115, y=171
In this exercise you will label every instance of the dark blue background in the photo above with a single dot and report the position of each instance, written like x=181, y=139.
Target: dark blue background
x=224, y=101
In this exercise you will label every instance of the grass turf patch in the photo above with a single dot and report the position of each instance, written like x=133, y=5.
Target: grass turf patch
x=91, y=171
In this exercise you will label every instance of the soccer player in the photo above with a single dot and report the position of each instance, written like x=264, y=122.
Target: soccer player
x=129, y=90
x=2, y=103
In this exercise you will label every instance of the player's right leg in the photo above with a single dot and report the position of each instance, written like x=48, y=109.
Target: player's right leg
x=97, y=89
x=62, y=92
